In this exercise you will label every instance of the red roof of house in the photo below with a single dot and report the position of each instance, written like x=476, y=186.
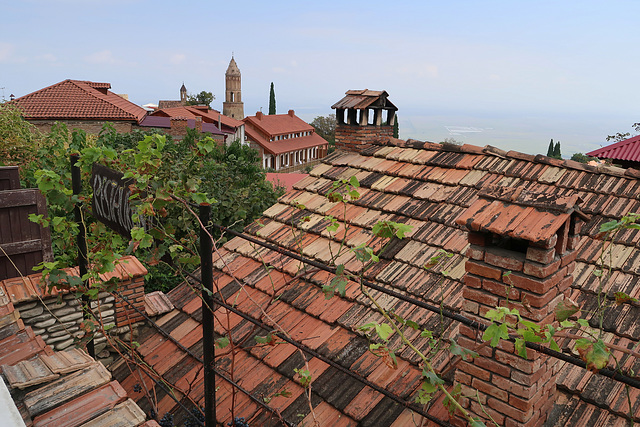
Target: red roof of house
x=278, y=124
x=77, y=99
x=208, y=115
x=629, y=150
x=285, y=180
x=284, y=145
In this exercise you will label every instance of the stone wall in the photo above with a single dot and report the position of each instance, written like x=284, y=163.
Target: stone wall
x=56, y=319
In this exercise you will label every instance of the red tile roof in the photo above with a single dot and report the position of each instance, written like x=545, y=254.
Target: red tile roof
x=285, y=180
x=78, y=100
x=277, y=124
x=208, y=115
x=285, y=145
x=628, y=150
x=428, y=186
x=20, y=289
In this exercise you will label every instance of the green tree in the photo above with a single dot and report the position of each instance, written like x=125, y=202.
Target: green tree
x=19, y=139
x=195, y=168
x=272, y=100
x=550, y=149
x=325, y=126
x=556, y=151
x=203, y=98
x=452, y=141
x=581, y=157
x=396, y=130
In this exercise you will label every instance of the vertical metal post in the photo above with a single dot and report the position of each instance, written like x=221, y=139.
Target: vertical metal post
x=206, y=274
x=76, y=185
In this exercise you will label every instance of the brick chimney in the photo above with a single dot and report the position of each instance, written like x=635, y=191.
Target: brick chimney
x=259, y=115
x=291, y=113
x=178, y=126
x=198, y=124
x=523, y=244
x=363, y=116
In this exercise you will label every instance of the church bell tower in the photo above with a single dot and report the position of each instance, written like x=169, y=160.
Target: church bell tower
x=233, y=106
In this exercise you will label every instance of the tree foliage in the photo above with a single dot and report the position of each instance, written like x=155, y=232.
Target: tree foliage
x=550, y=150
x=272, y=100
x=396, y=129
x=203, y=98
x=195, y=169
x=581, y=157
x=325, y=126
x=556, y=151
x=619, y=136
x=19, y=140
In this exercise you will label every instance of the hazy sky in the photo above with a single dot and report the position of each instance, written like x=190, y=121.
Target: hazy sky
x=512, y=74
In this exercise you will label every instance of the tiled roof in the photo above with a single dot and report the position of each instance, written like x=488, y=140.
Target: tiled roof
x=165, y=122
x=77, y=99
x=628, y=150
x=425, y=185
x=285, y=145
x=208, y=115
x=277, y=124
x=365, y=98
x=51, y=388
x=285, y=180
x=27, y=288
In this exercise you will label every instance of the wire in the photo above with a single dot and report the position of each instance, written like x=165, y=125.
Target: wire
x=436, y=309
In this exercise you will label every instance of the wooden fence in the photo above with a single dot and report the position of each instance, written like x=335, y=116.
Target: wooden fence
x=23, y=244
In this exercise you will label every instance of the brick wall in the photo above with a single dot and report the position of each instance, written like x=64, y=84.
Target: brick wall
x=133, y=291
x=355, y=137
x=512, y=389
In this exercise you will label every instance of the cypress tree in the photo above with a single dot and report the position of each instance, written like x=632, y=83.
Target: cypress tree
x=550, y=150
x=395, y=127
x=272, y=101
x=556, y=151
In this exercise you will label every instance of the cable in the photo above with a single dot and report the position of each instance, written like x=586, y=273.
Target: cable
x=439, y=310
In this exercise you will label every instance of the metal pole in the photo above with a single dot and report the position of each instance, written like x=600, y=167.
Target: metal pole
x=206, y=273
x=76, y=185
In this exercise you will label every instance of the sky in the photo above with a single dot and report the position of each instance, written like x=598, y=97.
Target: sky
x=509, y=73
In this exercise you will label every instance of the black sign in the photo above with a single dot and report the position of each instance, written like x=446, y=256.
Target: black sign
x=111, y=199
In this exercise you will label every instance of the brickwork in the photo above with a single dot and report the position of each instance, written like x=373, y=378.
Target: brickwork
x=133, y=291
x=512, y=389
x=356, y=138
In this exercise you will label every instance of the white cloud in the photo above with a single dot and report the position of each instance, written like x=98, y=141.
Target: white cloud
x=102, y=57
x=177, y=58
x=7, y=53
x=49, y=57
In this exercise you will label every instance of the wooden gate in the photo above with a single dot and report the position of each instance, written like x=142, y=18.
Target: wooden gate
x=23, y=244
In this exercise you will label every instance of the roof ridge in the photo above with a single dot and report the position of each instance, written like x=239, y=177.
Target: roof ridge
x=102, y=97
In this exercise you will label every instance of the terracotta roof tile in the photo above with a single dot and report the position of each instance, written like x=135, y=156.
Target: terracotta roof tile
x=76, y=99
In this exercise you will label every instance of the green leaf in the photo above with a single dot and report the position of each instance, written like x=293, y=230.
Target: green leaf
x=495, y=333
x=609, y=226
x=521, y=347
x=354, y=181
x=384, y=331
x=595, y=354
x=222, y=342
x=583, y=322
x=565, y=309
